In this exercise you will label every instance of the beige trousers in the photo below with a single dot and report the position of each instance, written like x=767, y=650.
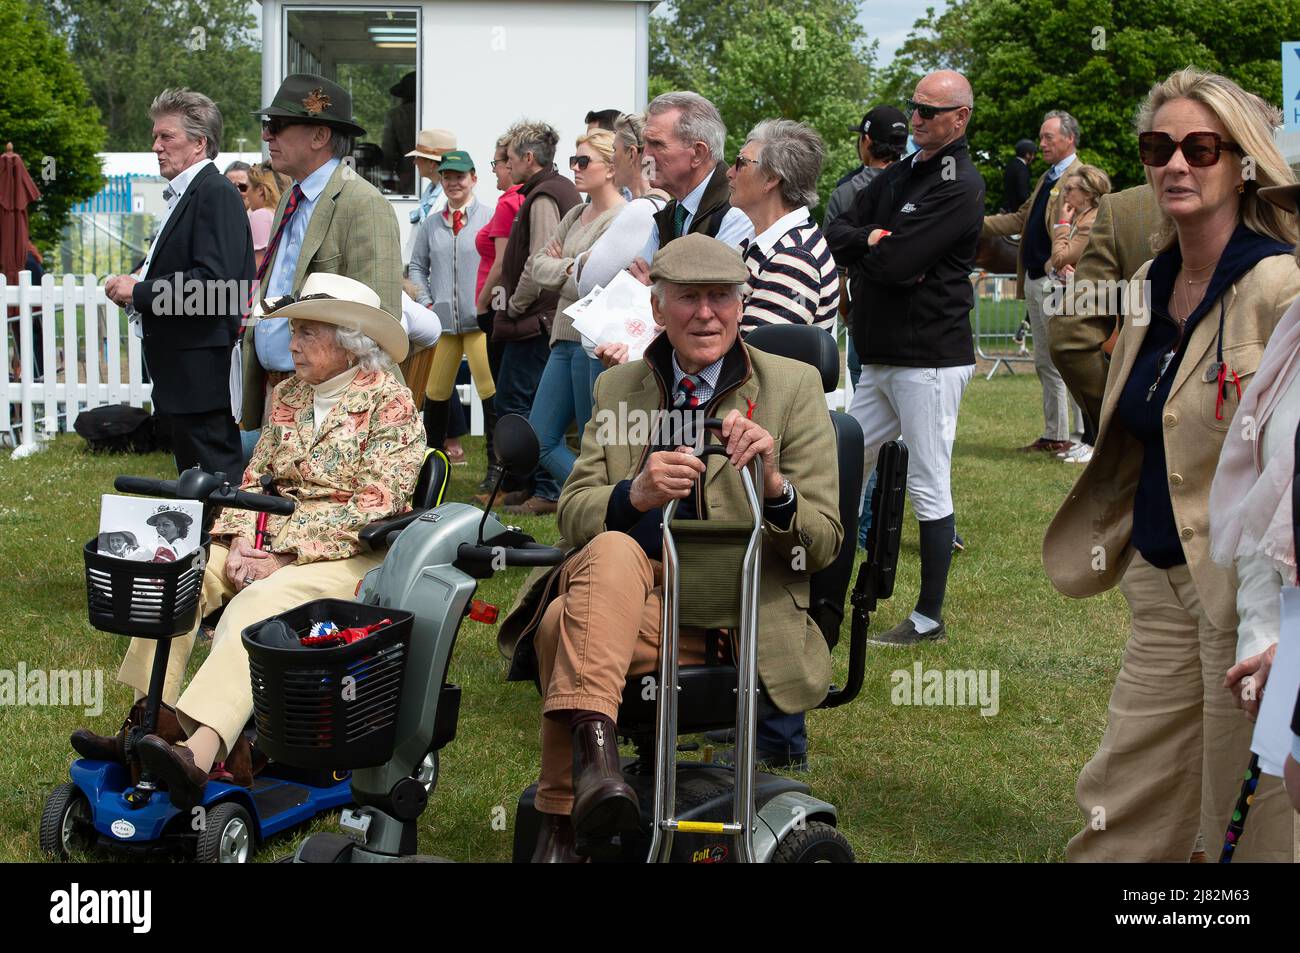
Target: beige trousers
x=1176, y=746
x=220, y=695
x=602, y=626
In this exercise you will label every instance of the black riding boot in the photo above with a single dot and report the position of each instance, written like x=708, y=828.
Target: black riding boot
x=435, y=422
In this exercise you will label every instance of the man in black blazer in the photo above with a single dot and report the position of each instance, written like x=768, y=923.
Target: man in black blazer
x=1015, y=177
x=195, y=286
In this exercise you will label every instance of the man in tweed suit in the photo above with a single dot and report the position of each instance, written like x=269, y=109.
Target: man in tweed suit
x=1119, y=245
x=332, y=220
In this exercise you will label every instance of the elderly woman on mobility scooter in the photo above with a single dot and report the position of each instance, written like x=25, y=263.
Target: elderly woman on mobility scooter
x=603, y=621
x=343, y=440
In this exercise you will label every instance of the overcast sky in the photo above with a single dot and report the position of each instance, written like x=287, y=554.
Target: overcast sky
x=889, y=22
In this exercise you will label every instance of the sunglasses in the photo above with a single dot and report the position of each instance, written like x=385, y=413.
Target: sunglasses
x=242, y=186
x=1200, y=149
x=581, y=162
x=277, y=124
x=926, y=110
x=741, y=162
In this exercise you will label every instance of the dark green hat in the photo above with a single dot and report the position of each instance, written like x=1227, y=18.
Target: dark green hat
x=698, y=260
x=311, y=98
x=457, y=160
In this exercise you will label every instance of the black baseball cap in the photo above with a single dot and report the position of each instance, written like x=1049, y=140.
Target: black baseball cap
x=883, y=124
x=1026, y=147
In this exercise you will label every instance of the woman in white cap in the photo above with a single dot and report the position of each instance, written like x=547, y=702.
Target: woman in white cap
x=344, y=442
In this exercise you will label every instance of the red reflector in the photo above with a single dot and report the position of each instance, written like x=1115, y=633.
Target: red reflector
x=484, y=612
x=358, y=588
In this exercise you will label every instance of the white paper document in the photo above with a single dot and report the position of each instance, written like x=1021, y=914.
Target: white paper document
x=1272, y=741
x=617, y=313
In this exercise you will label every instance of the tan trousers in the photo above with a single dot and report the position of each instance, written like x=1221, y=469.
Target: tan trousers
x=1176, y=746
x=220, y=695
x=602, y=627
x=446, y=362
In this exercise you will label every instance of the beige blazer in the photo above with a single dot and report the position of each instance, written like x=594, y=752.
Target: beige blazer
x=1013, y=223
x=1087, y=546
x=786, y=395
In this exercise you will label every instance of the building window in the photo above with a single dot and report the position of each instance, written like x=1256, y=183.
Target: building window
x=373, y=53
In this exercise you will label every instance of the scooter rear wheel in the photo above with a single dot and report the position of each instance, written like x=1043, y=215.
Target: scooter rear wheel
x=818, y=843
x=65, y=822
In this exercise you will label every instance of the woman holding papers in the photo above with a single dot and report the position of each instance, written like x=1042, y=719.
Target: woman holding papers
x=564, y=393
x=1250, y=502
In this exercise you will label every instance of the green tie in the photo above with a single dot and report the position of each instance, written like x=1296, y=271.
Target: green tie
x=679, y=220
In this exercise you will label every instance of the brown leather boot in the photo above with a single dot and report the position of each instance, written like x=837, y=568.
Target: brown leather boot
x=555, y=841
x=604, y=804
x=104, y=748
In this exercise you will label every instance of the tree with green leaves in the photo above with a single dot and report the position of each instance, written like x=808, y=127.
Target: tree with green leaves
x=756, y=59
x=130, y=50
x=45, y=112
x=1097, y=59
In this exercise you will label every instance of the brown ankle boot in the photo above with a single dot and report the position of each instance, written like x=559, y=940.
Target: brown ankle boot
x=604, y=804
x=555, y=841
x=104, y=748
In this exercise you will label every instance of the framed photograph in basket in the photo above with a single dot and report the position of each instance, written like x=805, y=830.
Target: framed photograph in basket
x=148, y=529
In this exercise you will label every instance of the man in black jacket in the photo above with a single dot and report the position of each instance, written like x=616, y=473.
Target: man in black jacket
x=909, y=241
x=194, y=287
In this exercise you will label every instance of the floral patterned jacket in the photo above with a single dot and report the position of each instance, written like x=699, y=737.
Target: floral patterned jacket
x=361, y=466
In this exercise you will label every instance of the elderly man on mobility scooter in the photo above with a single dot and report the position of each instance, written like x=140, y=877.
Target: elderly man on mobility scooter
x=344, y=442
x=603, y=621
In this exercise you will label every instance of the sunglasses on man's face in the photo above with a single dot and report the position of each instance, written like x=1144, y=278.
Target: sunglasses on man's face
x=579, y=162
x=1200, y=149
x=926, y=110
x=242, y=186
x=276, y=125
x=741, y=162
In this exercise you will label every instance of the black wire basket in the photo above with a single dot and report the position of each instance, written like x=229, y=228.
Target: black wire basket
x=149, y=600
x=330, y=707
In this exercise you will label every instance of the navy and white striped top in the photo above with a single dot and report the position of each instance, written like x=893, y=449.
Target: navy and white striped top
x=792, y=277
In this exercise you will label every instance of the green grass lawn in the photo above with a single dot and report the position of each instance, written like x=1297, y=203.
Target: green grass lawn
x=917, y=783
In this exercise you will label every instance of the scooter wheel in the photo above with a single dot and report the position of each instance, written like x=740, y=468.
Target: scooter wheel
x=818, y=843
x=66, y=822
x=226, y=837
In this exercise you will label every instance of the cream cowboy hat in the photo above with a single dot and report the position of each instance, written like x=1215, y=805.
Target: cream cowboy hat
x=432, y=143
x=346, y=302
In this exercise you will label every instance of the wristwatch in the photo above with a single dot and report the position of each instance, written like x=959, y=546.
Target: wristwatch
x=786, y=497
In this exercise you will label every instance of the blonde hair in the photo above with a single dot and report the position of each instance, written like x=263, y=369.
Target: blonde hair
x=601, y=142
x=268, y=180
x=1092, y=180
x=1249, y=121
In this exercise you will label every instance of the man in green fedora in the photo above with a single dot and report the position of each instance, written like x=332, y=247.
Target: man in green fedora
x=332, y=220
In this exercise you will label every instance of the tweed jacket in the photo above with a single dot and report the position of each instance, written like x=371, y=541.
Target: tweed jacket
x=1119, y=245
x=787, y=400
x=359, y=467
x=1088, y=544
x=352, y=232
x=1014, y=223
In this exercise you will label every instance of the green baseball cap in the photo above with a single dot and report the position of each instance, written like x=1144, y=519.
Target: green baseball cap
x=311, y=98
x=457, y=160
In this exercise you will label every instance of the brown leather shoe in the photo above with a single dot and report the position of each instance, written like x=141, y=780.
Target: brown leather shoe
x=103, y=748
x=175, y=767
x=99, y=747
x=604, y=804
x=1043, y=445
x=533, y=506
x=555, y=842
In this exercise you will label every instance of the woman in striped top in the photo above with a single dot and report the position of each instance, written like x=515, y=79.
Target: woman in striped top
x=774, y=182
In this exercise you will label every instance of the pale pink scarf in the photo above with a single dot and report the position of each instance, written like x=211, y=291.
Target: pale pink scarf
x=1250, y=505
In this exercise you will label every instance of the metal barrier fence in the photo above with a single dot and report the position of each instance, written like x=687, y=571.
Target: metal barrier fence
x=999, y=323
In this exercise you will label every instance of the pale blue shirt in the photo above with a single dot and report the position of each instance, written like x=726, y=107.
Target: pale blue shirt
x=1059, y=169
x=735, y=227
x=272, y=338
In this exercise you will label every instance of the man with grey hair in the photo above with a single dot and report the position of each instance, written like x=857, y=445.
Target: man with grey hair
x=203, y=237
x=332, y=220
x=684, y=138
x=1057, y=138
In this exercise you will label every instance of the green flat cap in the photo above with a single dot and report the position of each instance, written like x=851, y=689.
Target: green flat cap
x=698, y=260
x=457, y=160
x=314, y=99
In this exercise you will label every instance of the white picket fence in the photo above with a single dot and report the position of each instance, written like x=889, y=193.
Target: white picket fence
x=83, y=356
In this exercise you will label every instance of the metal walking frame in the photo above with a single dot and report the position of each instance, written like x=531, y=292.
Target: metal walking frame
x=746, y=649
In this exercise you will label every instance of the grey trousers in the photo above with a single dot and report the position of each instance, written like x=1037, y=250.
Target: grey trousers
x=1062, y=418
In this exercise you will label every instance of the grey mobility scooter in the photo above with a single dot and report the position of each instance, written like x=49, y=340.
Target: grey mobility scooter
x=383, y=706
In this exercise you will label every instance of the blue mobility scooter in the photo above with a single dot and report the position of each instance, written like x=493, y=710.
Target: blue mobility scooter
x=102, y=805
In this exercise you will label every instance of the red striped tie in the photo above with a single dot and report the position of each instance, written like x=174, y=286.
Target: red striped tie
x=290, y=207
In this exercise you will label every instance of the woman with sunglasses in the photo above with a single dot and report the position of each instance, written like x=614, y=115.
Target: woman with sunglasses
x=1175, y=747
x=564, y=392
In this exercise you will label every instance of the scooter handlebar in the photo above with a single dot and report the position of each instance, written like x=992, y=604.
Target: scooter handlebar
x=206, y=489
x=528, y=554
x=144, y=486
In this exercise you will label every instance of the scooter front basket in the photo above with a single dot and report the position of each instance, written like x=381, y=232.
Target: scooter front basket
x=149, y=600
